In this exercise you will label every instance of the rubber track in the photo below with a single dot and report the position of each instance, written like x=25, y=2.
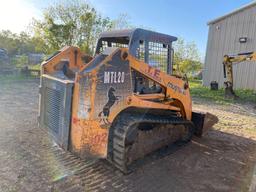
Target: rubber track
x=123, y=124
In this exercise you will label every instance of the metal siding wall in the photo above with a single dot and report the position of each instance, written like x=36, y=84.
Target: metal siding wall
x=207, y=65
x=218, y=49
x=238, y=46
x=253, y=31
x=250, y=80
x=228, y=44
x=212, y=71
x=248, y=47
x=251, y=66
x=225, y=40
x=212, y=50
x=221, y=49
x=207, y=55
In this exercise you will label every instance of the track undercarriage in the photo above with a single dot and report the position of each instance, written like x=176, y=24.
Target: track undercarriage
x=136, y=135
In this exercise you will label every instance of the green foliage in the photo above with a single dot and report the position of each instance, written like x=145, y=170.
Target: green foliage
x=35, y=67
x=17, y=44
x=65, y=23
x=122, y=22
x=9, y=41
x=70, y=23
x=20, y=60
x=197, y=90
x=186, y=57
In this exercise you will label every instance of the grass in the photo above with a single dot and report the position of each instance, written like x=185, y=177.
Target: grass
x=35, y=67
x=19, y=76
x=199, y=91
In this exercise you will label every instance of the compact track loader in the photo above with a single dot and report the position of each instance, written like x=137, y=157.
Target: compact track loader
x=121, y=104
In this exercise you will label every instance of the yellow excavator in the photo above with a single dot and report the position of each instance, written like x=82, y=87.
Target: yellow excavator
x=228, y=62
x=122, y=104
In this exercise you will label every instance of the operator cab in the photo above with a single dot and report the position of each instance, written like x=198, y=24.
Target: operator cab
x=150, y=47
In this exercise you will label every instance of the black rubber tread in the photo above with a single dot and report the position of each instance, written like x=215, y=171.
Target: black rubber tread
x=126, y=120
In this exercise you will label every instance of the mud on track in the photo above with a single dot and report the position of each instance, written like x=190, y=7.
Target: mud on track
x=29, y=161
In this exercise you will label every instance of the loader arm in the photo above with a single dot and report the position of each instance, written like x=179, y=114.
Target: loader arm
x=175, y=88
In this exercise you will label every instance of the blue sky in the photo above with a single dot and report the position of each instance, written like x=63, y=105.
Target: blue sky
x=181, y=18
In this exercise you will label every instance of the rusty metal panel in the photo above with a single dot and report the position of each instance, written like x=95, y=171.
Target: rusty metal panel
x=101, y=92
x=112, y=84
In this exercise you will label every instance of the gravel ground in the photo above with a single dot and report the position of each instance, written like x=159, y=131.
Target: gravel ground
x=223, y=160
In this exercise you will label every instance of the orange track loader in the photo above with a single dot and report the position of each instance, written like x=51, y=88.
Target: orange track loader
x=121, y=104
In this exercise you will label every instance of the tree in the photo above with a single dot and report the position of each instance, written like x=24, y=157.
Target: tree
x=70, y=23
x=9, y=41
x=16, y=44
x=122, y=22
x=187, y=57
x=20, y=60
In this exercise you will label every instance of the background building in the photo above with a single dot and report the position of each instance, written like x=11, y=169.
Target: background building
x=225, y=37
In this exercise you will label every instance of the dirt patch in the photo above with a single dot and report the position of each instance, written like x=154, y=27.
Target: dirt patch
x=221, y=161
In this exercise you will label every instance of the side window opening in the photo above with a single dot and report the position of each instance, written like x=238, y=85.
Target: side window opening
x=158, y=55
x=104, y=45
x=142, y=85
x=140, y=52
x=121, y=42
x=120, y=45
